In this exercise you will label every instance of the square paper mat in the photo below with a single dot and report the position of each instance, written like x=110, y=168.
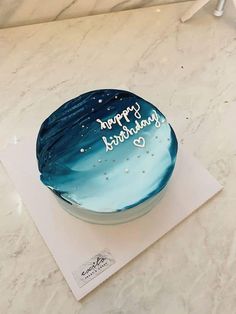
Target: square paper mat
x=75, y=244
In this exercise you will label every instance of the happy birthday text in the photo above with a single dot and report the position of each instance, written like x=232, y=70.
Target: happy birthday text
x=126, y=132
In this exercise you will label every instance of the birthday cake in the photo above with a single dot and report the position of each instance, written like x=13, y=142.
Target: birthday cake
x=107, y=155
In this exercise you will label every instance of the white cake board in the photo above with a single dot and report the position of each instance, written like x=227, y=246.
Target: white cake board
x=73, y=242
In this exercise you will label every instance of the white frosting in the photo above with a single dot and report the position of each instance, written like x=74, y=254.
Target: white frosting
x=126, y=132
x=119, y=116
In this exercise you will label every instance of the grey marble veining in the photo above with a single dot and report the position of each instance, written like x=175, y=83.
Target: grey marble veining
x=189, y=70
x=23, y=12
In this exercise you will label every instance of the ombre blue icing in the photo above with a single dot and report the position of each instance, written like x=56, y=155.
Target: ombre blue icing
x=106, y=151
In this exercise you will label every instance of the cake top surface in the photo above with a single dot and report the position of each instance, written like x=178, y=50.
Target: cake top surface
x=106, y=150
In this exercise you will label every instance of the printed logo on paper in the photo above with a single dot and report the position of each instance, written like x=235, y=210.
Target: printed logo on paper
x=93, y=267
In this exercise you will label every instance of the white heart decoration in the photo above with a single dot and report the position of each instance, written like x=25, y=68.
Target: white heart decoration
x=139, y=142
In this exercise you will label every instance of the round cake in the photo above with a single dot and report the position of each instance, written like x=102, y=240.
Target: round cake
x=107, y=155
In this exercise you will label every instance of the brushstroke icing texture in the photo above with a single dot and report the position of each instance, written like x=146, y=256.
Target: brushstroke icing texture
x=106, y=150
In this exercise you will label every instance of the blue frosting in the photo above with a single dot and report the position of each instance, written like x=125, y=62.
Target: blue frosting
x=106, y=150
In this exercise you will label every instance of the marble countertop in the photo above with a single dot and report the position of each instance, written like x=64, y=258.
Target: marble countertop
x=189, y=70
x=15, y=12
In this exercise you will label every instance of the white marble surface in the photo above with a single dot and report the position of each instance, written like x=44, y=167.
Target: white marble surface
x=23, y=12
x=189, y=70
